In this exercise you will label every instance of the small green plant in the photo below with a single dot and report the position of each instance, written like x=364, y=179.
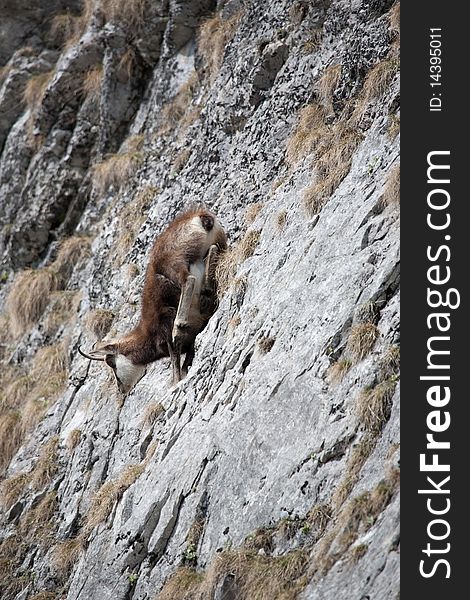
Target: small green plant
x=132, y=577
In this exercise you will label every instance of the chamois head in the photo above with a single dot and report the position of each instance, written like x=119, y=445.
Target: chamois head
x=125, y=372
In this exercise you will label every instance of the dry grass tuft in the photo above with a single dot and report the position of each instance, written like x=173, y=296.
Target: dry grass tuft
x=230, y=259
x=46, y=466
x=98, y=322
x=152, y=412
x=131, y=218
x=180, y=160
x=44, y=596
x=357, y=458
x=327, y=85
x=390, y=362
x=71, y=252
x=281, y=220
x=215, y=35
x=36, y=525
x=394, y=16
x=362, y=338
x=65, y=556
x=11, y=436
x=393, y=126
x=117, y=169
x=92, y=83
x=374, y=406
x=375, y=85
x=338, y=370
x=24, y=398
x=29, y=297
x=255, y=577
x=11, y=489
x=14, y=387
x=252, y=212
x=354, y=518
x=391, y=194
x=333, y=163
x=64, y=28
x=265, y=344
x=318, y=518
x=73, y=439
x=63, y=308
x=36, y=88
x=181, y=585
x=108, y=495
x=308, y=132
x=357, y=552
x=179, y=112
x=131, y=13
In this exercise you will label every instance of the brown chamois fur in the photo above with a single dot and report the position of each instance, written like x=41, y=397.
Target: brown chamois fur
x=176, y=257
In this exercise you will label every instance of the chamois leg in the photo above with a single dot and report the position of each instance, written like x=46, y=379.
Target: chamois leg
x=188, y=360
x=175, y=357
x=182, y=316
x=211, y=261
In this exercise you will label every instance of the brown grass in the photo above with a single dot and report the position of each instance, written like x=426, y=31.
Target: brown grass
x=181, y=585
x=361, y=340
x=131, y=13
x=332, y=164
x=152, y=412
x=64, y=28
x=25, y=397
x=176, y=113
x=117, y=169
x=394, y=16
x=281, y=220
x=230, y=259
x=127, y=63
x=338, y=370
x=11, y=489
x=73, y=439
x=215, y=35
x=252, y=211
x=98, y=322
x=376, y=83
x=390, y=362
x=355, y=517
x=131, y=218
x=374, y=406
x=36, y=88
x=45, y=596
x=327, y=84
x=356, y=460
x=265, y=344
x=308, y=132
x=46, y=466
x=108, y=495
x=180, y=160
x=391, y=193
x=29, y=297
x=65, y=556
x=393, y=126
x=11, y=436
x=63, y=309
x=256, y=577
x=67, y=29
x=92, y=83
x=71, y=251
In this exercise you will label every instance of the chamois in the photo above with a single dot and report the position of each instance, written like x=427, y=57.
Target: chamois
x=177, y=300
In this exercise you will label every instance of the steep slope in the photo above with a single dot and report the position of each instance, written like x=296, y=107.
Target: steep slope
x=271, y=471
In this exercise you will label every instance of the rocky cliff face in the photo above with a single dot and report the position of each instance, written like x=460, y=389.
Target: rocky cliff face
x=271, y=471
